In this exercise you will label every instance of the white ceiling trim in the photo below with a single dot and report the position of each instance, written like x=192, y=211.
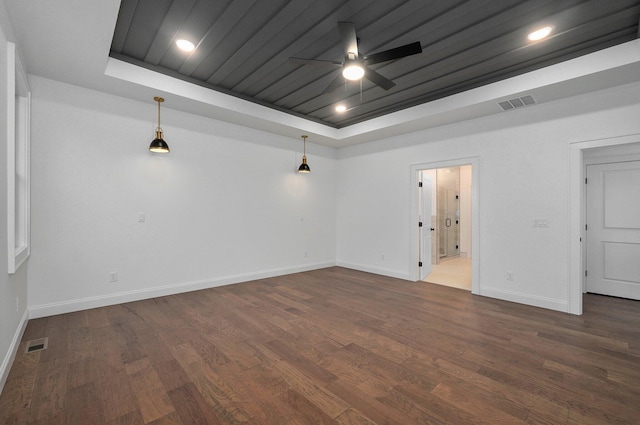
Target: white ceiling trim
x=596, y=71
x=217, y=104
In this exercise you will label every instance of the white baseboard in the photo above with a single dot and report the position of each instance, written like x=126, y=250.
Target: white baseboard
x=374, y=270
x=532, y=300
x=45, y=310
x=13, y=349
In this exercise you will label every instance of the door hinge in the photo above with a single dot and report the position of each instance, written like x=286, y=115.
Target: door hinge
x=585, y=180
x=419, y=263
x=419, y=224
x=585, y=272
x=586, y=227
x=419, y=184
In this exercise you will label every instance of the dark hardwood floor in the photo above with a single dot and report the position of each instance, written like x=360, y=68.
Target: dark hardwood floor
x=332, y=346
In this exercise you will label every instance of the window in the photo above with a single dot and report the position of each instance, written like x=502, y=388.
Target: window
x=18, y=159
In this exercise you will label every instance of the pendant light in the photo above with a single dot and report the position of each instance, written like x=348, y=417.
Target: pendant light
x=158, y=144
x=304, y=167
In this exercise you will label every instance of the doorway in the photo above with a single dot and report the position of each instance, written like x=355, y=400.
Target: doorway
x=581, y=155
x=451, y=226
x=454, y=209
x=612, y=239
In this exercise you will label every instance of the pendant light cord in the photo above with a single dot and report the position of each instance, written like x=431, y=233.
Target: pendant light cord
x=159, y=100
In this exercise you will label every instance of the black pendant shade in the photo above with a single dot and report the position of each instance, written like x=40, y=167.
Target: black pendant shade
x=304, y=167
x=158, y=144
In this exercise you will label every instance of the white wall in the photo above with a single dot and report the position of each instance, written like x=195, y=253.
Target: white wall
x=523, y=174
x=13, y=288
x=226, y=205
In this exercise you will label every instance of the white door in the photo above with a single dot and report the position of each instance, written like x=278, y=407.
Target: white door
x=613, y=229
x=425, y=230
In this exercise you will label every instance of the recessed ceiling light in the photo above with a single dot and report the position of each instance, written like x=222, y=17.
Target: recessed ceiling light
x=341, y=108
x=185, y=45
x=539, y=34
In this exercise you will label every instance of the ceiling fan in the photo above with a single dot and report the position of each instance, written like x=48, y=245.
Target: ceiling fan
x=356, y=66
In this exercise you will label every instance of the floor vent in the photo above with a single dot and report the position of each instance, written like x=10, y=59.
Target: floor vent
x=37, y=345
x=518, y=102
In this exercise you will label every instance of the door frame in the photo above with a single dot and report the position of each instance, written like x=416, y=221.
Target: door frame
x=425, y=215
x=578, y=212
x=475, y=216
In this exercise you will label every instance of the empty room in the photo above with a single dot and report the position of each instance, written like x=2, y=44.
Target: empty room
x=246, y=212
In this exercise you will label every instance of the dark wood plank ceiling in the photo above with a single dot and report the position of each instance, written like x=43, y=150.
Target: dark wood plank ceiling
x=244, y=46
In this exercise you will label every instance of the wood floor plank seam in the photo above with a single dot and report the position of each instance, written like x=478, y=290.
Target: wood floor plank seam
x=330, y=346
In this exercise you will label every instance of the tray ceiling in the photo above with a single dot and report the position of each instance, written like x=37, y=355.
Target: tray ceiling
x=243, y=46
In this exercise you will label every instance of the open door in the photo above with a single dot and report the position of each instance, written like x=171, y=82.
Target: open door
x=425, y=227
x=613, y=232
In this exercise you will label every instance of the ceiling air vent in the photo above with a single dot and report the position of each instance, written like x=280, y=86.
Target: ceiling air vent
x=518, y=102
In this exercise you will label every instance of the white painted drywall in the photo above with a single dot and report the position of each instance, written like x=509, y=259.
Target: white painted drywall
x=523, y=174
x=226, y=205
x=13, y=288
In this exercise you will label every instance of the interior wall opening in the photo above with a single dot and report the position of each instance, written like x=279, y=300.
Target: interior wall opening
x=581, y=155
x=448, y=221
x=612, y=243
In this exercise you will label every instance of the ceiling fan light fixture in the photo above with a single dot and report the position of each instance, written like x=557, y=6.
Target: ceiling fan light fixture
x=539, y=34
x=185, y=45
x=353, y=71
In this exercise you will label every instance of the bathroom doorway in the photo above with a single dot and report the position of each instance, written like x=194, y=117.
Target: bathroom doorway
x=450, y=220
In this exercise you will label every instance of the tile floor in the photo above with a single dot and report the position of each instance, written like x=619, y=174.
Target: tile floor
x=454, y=272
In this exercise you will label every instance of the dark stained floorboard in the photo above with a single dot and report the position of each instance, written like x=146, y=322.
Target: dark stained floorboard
x=331, y=346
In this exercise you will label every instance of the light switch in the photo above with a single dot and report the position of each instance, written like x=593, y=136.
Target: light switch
x=141, y=217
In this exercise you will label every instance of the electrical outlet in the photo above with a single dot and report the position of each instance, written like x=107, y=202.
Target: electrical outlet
x=382, y=257
x=113, y=277
x=510, y=276
x=306, y=254
x=142, y=217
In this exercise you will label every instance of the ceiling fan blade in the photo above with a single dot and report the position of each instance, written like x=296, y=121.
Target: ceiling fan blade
x=349, y=38
x=337, y=82
x=378, y=79
x=303, y=61
x=397, y=53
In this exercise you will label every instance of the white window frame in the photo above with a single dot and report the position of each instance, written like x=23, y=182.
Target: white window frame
x=18, y=161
